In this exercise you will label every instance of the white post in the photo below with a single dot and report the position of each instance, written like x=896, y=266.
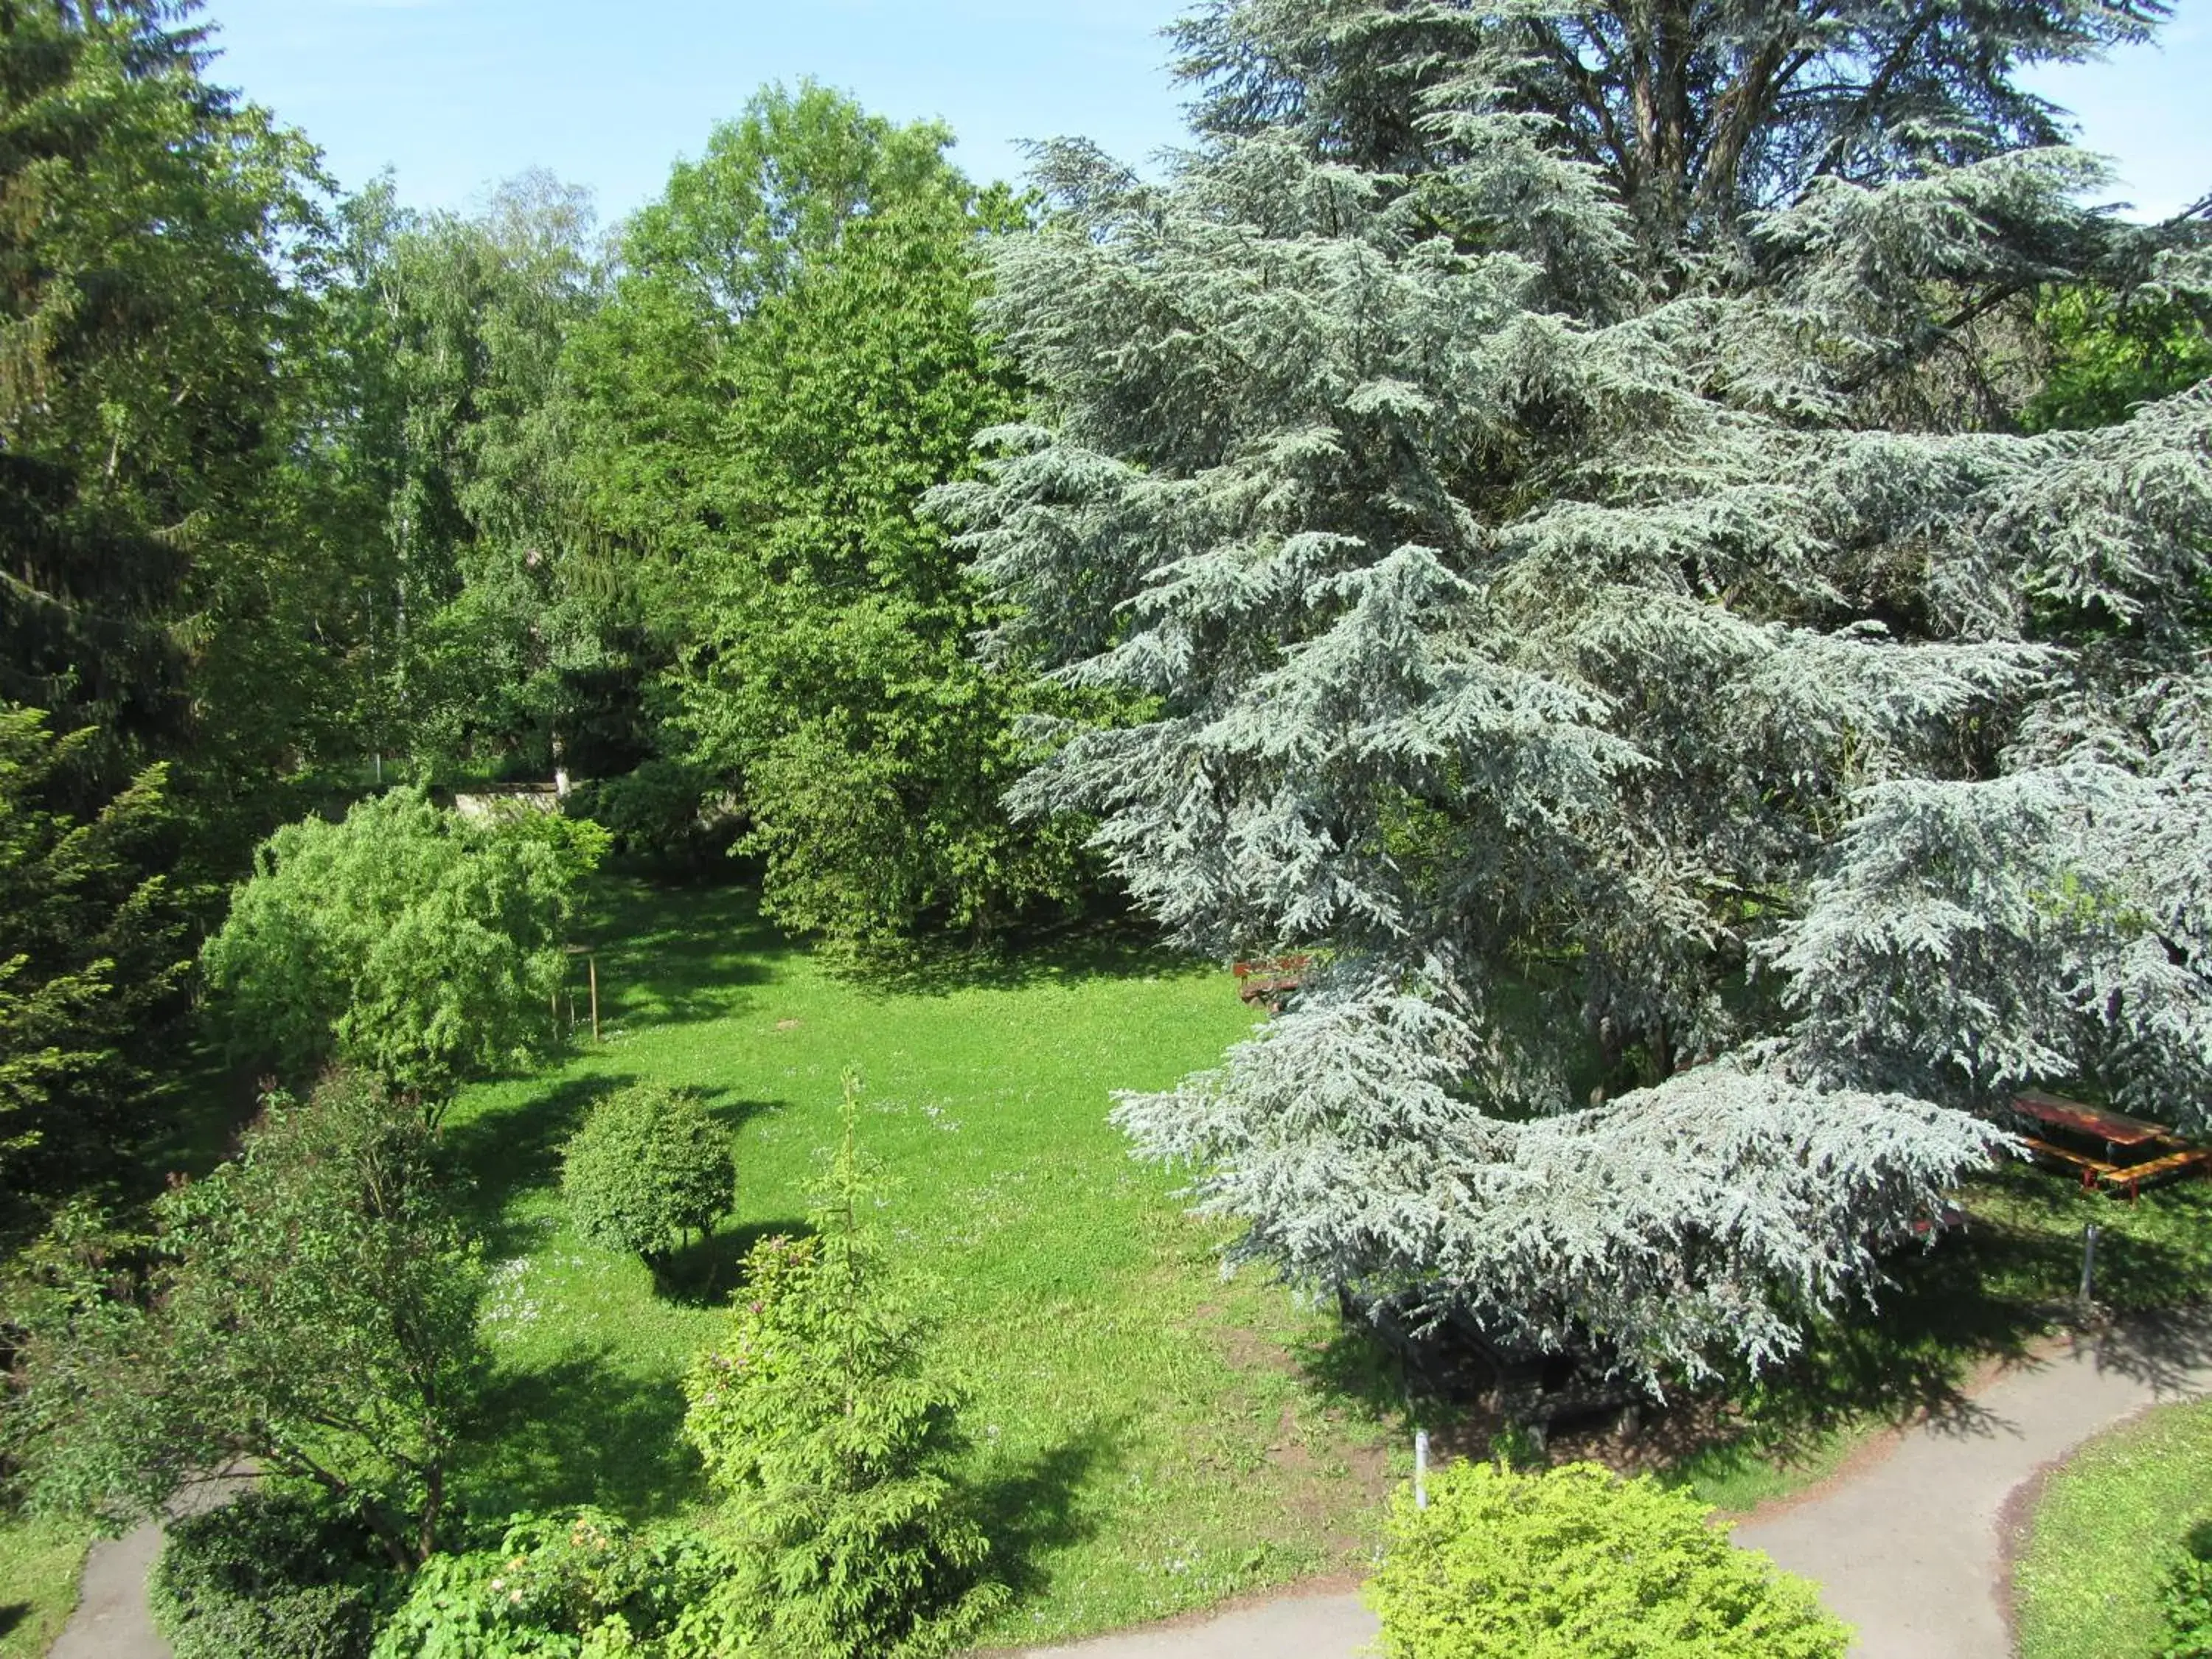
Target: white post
x=1420, y=1468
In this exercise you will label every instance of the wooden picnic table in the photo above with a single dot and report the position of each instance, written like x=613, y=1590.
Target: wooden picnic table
x=1269, y=980
x=2136, y=1150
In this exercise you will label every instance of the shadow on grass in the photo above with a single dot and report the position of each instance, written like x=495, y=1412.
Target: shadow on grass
x=582, y=1429
x=1034, y=1509
x=666, y=962
x=13, y=1613
x=705, y=1271
x=1986, y=1294
x=1116, y=947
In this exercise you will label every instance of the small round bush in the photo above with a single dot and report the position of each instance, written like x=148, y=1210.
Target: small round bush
x=649, y=1168
x=1574, y=1563
x=268, y=1576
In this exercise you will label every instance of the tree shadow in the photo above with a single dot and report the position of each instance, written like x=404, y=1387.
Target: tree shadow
x=13, y=1613
x=2166, y=1353
x=707, y=1271
x=582, y=1430
x=516, y=1148
x=673, y=964
x=1111, y=947
x=1034, y=1507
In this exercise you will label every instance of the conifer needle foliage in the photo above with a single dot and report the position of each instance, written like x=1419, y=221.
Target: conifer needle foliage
x=1516, y=458
x=828, y=1435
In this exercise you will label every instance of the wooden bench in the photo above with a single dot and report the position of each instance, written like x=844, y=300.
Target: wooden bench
x=2135, y=1176
x=2158, y=1154
x=1268, y=982
x=2092, y=1170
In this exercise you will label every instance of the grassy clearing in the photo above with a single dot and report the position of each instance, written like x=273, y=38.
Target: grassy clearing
x=40, y=1561
x=1145, y=1437
x=2109, y=1525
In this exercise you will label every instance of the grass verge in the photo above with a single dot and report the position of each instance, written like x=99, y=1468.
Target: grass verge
x=39, y=1563
x=2109, y=1526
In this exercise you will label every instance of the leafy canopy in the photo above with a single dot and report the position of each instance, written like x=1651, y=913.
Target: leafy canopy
x=311, y=1305
x=789, y=360
x=403, y=941
x=650, y=1167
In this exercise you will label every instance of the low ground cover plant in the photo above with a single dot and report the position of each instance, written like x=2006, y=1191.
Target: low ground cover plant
x=1574, y=1563
x=649, y=1168
x=2188, y=1600
x=573, y=1582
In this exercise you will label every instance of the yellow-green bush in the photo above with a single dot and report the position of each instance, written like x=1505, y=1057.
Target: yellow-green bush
x=1574, y=1563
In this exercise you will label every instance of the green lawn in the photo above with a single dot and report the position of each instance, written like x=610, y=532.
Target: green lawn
x=40, y=1561
x=1144, y=1436
x=2109, y=1525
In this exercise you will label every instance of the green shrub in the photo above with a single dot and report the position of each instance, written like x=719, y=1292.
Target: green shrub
x=574, y=1583
x=1574, y=1563
x=649, y=1167
x=267, y=1577
x=830, y=1443
x=2189, y=1606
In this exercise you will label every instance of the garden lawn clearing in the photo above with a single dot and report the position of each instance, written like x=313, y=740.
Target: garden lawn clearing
x=1144, y=1435
x=2110, y=1523
x=40, y=1561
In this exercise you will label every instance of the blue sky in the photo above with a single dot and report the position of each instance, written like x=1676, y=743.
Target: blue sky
x=455, y=94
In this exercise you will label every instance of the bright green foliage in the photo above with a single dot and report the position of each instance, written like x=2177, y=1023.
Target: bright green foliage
x=90, y=952
x=506, y=623
x=267, y=1576
x=2189, y=1608
x=574, y=1583
x=403, y=941
x=789, y=361
x=776, y=190
x=1576, y=1564
x=2110, y=354
x=649, y=1168
x=833, y=673
x=829, y=1440
x=311, y=1305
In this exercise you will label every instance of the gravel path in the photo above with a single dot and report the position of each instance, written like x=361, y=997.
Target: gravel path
x=1905, y=1540
x=112, y=1620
